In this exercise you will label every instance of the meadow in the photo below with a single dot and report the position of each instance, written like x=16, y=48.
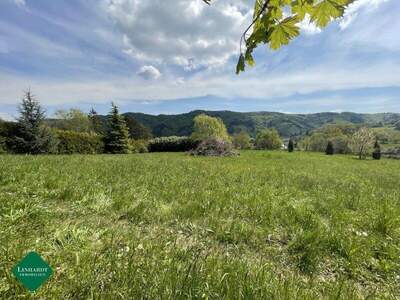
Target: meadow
x=265, y=225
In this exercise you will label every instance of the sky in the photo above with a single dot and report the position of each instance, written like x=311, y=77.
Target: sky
x=166, y=57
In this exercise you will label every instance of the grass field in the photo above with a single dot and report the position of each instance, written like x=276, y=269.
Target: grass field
x=266, y=225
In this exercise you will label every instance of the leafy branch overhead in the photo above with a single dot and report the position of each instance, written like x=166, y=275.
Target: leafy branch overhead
x=276, y=23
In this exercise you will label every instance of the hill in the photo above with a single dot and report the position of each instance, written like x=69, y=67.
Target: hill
x=287, y=124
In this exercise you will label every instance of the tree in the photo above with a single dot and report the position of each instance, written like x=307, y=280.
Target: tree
x=268, y=139
x=116, y=139
x=96, y=122
x=397, y=125
x=276, y=23
x=2, y=137
x=338, y=134
x=362, y=142
x=73, y=120
x=32, y=136
x=206, y=127
x=137, y=130
x=377, y=151
x=330, y=150
x=290, y=146
x=241, y=140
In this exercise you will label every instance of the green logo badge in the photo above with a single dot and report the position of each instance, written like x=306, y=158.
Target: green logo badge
x=32, y=271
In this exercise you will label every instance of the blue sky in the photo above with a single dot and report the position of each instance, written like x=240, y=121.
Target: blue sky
x=158, y=56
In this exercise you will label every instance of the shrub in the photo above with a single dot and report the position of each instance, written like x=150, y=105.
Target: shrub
x=341, y=144
x=377, y=151
x=172, y=144
x=70, y=142
x=329, y=149
x=268, y=139
x=291, y=146
x=209, y=127
x=138, y=146
x=241, y=140
x=2, y=145
x=392, y=153
x=215, y=147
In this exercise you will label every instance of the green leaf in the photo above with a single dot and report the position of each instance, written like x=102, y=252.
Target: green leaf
x=257, y=11
x=301, y=8
x=240, y=65
x=283, y=32
x=249, y=58
x=325, y=11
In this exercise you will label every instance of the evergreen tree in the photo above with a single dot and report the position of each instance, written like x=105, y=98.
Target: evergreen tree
x=116, y=139
x=329, y=149
x=291, y=146
x=377, y=151
x=32, y=135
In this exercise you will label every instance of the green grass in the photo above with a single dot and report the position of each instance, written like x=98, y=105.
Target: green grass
x=266, y=225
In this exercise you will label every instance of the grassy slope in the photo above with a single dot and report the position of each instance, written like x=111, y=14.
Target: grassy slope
x=265, y=225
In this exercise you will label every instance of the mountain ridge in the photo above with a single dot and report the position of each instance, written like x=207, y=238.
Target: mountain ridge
x=287, y=124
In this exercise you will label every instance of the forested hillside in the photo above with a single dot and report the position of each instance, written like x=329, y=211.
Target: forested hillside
x=286, y=124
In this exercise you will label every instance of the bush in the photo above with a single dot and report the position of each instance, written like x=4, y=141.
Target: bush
x=2, y=145
x=341, y=144
x=268, y=139
x=215, y=147
x=172, y=144
x=138, y=146
x=377, y=151
x=241, y=140
x=206, y=127
x=70, y=142
x=329, y=149
x=291, y=146
x=392, y=153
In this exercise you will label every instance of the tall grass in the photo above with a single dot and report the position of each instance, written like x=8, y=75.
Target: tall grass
x=265, y=225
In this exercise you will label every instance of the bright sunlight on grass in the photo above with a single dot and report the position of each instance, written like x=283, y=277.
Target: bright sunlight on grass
x=170, y=226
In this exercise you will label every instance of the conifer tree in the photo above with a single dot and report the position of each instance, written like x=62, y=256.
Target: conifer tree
x=116, y=139
x=329, y=149
x=32, y=135
x=291, y=146
x=377, y=151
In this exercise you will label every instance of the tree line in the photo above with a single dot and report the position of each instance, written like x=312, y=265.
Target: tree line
x=70, y=131
x=73, y=131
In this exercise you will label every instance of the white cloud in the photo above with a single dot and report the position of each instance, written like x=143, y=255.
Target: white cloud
x=307, y=27
x=353, y=10
x=149, y=72
x=251, y=85
x=187, y=33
